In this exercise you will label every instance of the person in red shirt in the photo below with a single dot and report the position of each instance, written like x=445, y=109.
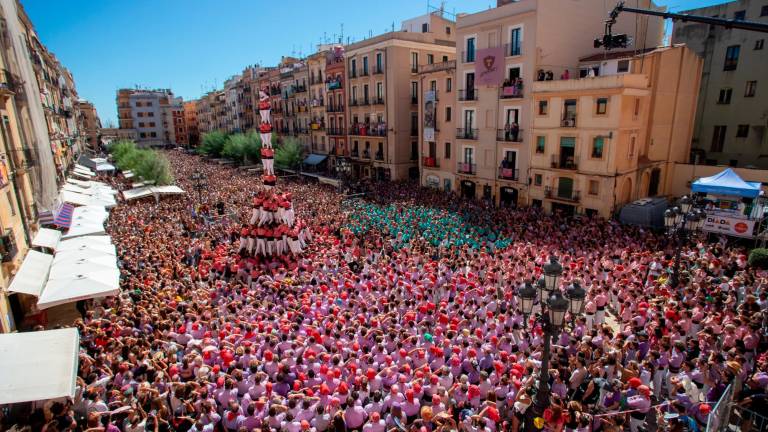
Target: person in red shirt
x=265, y=130
x=264, y=107
x=243, y=237
x=268, y=160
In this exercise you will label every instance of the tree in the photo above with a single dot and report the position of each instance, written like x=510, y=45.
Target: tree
x=213, y=143
x=759, y=258
x=289, y=154
x=120, y=148
x=242, y=148
x=155, y=167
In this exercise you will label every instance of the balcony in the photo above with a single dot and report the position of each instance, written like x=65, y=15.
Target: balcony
x=365, y=102
x=379, y=156
x=371, y=129
x=511, y=50
x=414, y=100
x=354, y=153
x=353, y=102
x=363, y=73
x=565, y=161
x=366, y=154
x=317, y=126
x=335, y=108
x=466, y=133
x=334, y=84
x=509, y=173
x=468, y=56
x=569, y=121
x=466, y=168
x=437, y=67
x=563, y=194
x=430, y=162
x=510, y=92
x=378, y=70
x=353, y=73
x=468, y=95
x=378, y=100
x=335, y=131
x=509, y=135
x=414, y=68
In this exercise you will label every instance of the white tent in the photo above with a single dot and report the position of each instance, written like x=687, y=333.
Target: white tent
x=146, y=191
x=86, y=256
x=80, y=199
x=32, y=275
x=83, y=172
x=73, y=281
x=36, y=366
x=81, y=175
x=95, y=241
x=81, y=183
x=103, y=249
x=105, y=167
x=86, y=228
x=47, y=238
x=168, y=190
x=94, y=214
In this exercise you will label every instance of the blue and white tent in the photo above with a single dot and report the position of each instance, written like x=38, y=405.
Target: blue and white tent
x=727, y=183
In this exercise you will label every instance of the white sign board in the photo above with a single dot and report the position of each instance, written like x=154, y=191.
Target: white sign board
x=729, y=226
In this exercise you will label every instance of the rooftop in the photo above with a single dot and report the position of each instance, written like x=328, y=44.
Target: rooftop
x=636, y=81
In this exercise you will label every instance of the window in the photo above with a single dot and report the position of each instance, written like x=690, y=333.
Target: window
x=150, y=114
x=718, y=139
x=365, y=66
x=731, y=57
x=759, y=44
x=414, y=90
x=598, y=143
x=631, y=147
x=447, y=114
x=9, y=196
x=414, y=61
x=141, y=124
x=430, y=58
x=637, y=107
x=515, y=42
x=149, y=103
x=538, y=179
x=602, y=106
x=623, y=66
x=424, y=27
x=749, y=90
x=543, y=107
x=414, y=150
x=433, y=85
x=153, y=134
x=143, y=135
x=594, y=187
x=447, y=30
x=540, y=143
x=470, y=54
x=379, y=64
x=139, y=114
x=725, y=96
x=151, y=124
x=742, y=131
x=379, y=90
x=739, y=15
x=447, y=150
x=448, y=85
x=764, y=11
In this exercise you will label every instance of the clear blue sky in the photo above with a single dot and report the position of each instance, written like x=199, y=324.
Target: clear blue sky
x=192, y=45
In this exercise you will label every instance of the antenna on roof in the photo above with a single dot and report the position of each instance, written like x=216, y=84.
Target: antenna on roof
x=341, y=36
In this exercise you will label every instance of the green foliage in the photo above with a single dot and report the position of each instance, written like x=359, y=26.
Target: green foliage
x=213, y=143
x=759, y=258
x=147, y=164
x=289, y=154
x=242, y=148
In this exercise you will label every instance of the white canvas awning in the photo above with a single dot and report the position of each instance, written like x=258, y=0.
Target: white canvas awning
x=32, y=275
x=79, y=199
x=83, y=172
x=36, y=366
x=168, y=190
x=47, y=237
x=146, y=191
x=89, y=214
x=81, y=183
x=85, y=256
x=84, y=229
x=76, y=243
x=103, y=249
x=78, y=281
x=81, y=175
x=127, y=174
x=105, y=167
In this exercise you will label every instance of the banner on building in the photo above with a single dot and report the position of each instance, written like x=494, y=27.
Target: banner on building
x=729, y=226
x=489, y=66
x=429, y=116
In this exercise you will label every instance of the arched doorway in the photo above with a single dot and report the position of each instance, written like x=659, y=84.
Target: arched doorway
x=626, y=192
x=508, y=197
x=653, y=185
x=468, y=189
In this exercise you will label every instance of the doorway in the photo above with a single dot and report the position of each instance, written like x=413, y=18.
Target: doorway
x=508, y=197
x=468, y=189
x=563, y=209
x=653, y=185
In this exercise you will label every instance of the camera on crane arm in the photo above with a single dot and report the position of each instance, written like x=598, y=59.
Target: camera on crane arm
x=611, y=41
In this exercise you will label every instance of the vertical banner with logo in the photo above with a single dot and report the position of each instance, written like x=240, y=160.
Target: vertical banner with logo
x=429, y=116
x=729, y=226
x=489, y=66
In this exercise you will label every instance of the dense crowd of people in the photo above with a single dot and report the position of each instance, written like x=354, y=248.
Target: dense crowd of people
x=401, y=314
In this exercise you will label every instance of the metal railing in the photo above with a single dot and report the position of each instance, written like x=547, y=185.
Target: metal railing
x=370, y=129
x=335, y=108
x=513, y=49
x=569, y=121
x=379, y=156
x=509, y=173
x=378, y=70
x=562, y=194
x=510, y=92
x=466, y=133
x=378, y=100
x=466, y=168
x=565, y=162
x=468, y=95
x=335, y=131
x=509, y=135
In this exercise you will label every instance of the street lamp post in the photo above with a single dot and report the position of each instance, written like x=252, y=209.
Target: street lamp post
x=554, y=307
x=199, y=183
x=681, y=222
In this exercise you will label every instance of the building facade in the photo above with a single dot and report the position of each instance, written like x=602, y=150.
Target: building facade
x=92, y=124
x=147, y=116
x=501, y=53
x=732, y=113
x=436, y=125
x=335, y=104
x=317, y=99
x=599, y=142
x=382, y=86
x=191, y=122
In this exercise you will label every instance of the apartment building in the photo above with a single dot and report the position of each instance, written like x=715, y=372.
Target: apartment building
x=174, y=123
x=336, y=120
x=191, y=122
x=147, y=115
x=302, y=102
x=317, y=130
x=382, y=87
x=604, y=138
x=501, y=53
x=248, y=93
x=92, y=124
x=436, y=125
x=231, y=106
x=732, y=112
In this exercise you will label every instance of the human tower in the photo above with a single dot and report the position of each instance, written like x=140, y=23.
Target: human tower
x=273, y=229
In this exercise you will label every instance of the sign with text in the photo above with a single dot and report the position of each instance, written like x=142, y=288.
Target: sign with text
x=729, y=226
x=489, y=66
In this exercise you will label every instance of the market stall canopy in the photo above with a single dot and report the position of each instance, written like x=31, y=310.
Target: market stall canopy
x=103, y=249
x=76, y=243
x=36, y=366
x=47, y=238
x=32, y=275
x=84, y=256
x=94, y=214
x=146, y=191
x=81, y=183
x=105, y=167
x=79, y=199
x=86, y=228
x=314, y=159
x=73, y=282
x=726, y=183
